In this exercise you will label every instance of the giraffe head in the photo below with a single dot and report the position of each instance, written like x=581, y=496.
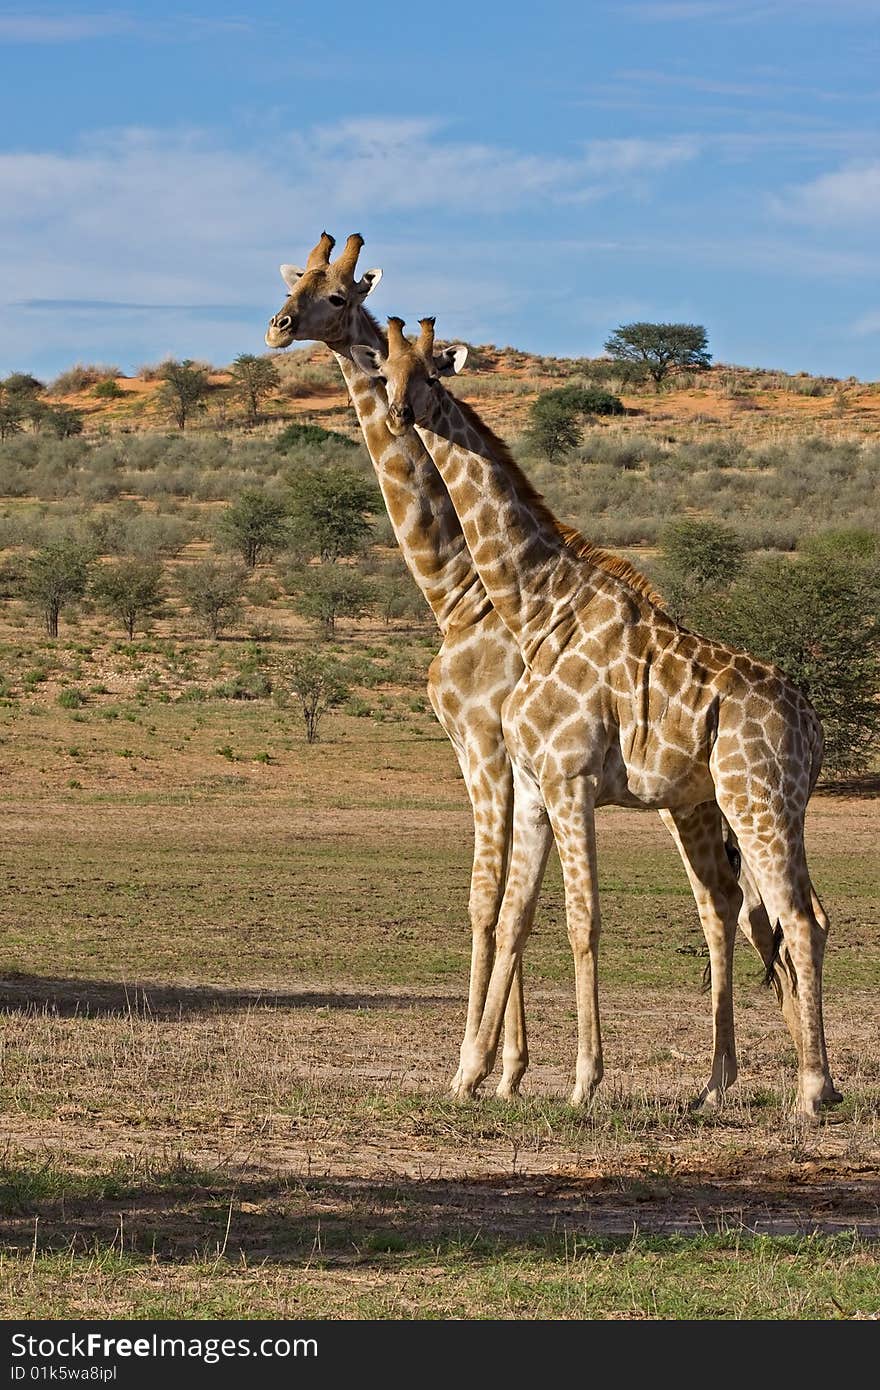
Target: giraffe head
x=321, y=295
x=410, y=372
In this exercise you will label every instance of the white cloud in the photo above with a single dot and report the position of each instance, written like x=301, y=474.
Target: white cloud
x=846, y=198
x=141, y=215
x=867, y=324
x=44, y=28
x=620, y=158
x=61, y=28
x=741, y=11
x=147, y=218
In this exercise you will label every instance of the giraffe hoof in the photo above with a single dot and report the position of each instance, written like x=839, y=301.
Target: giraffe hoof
x=507, y=1090
x=582, y=1096
x=708, y=1102
x=809, y=1115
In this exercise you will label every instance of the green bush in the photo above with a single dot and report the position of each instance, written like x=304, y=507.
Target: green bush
x=71, y=698
x=318, y=683
x=108, y=390
x=586, y=400
x=818, y=618
x=697, y=556
x=80, y=378
x=295, y=434
x=247, y=685
x=325, y=593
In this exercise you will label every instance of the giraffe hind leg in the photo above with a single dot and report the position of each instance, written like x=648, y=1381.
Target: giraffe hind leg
x=774, y=855
x=754, y=924
x=697, y=836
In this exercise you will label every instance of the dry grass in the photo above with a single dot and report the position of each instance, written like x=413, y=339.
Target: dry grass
x=233, y=995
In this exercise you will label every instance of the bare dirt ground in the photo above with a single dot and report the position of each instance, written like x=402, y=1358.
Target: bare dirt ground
x=286, y=1078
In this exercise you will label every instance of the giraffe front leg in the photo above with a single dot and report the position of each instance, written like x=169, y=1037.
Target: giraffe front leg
x=570, y=805
x=515, y=1054
x=530, y=846
x=490, y=787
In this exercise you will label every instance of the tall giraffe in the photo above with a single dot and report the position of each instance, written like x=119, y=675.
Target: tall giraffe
x=619, y=705
x=478, y=663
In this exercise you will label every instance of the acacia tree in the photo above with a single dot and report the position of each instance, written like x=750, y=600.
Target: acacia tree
x=697, y=556
x=318, y=683
x=214, y=589
x=11, y=417
x=183, y=390
x=254, y=525
x=660, y=348
x=329, y=510
x=325, y=593
x=63, y=421
x=131, y=590
x=555, y=427
x=557, y=416
x=252, y=379
x=55, y=577
x=23, y=386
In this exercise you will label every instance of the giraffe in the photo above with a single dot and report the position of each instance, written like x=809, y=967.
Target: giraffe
x=478, y=663
x=620, y=705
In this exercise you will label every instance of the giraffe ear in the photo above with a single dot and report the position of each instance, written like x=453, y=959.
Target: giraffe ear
x=367, y=283
x=450, y=361
x=368, y=359
x=290, y=274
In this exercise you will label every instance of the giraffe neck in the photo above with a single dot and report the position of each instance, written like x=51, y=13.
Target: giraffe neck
x=520, y=554
x=419, y=507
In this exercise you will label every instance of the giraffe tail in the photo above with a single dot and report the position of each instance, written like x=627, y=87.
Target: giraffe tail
x=731, y=849
x=773, y=960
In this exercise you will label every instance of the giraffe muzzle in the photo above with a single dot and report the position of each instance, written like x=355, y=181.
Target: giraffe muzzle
x=281, y=330
x=400, y=419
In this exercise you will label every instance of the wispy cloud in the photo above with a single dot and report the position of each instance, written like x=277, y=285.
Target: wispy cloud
x=62, y=28
x=118, y=306
x=741, y=11
x=143, y=226
x=867, y=324
x=44, y=28
x=172, y=200
x=621, y=158
x=848, y=198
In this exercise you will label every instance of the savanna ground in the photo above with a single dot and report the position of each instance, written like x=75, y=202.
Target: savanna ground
x=233, y=967
x=233, y=976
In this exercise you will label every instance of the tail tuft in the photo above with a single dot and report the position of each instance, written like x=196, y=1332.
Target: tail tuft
x=774, y=955
x=731, y=849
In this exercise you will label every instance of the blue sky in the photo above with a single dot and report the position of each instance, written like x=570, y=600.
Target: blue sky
x=531, y=175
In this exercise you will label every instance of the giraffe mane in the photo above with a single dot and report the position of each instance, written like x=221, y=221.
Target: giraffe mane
x=580, y=547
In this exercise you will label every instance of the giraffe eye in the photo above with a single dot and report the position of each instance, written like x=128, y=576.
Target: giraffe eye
x=337, y=300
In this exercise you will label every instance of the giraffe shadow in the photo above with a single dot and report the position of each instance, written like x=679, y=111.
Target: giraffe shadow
x=279, y=1219
x=72, y=998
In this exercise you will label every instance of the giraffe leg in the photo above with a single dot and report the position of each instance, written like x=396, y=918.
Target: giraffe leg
x=775, y=855
x=755, y=926
x=515, y=1053
x=530, y=846
x=570, y=806
x=697, y=835
x=490, y=787
x=830, y=1093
